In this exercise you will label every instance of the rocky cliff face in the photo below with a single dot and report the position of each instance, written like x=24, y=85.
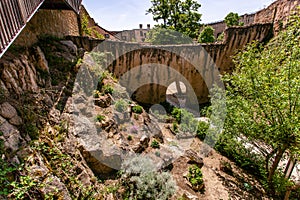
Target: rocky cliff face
x=35, y=83
x=64, y=143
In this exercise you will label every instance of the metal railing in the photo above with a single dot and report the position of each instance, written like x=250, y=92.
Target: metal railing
x=75, y=4
x=14, y=14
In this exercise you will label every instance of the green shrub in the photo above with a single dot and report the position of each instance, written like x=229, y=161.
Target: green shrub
x=142, y=181
x=185, y=119
x=98, y=35
x=202, y=130
x=85, y=25
x=32, y=131
x=221, y=37
x=5, y=170
x=195, y=176
x=155, y=144
x=237, y=152
x=175, y=127
x=121, y=105
x=137, y=109
x=108, y=89
x=207, y=35
x=100, y=118
x=129, y=137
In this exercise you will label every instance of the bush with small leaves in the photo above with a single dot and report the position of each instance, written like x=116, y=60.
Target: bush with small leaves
x=207, y=35
x=108, y=89
x=142, y=181
x=129, y=137
x=100, y=118
x=175, y=127
x=202, y=130
x=121, y=105
x=155, y=144
x=221, y=37
x=137, y=109
x=185, y=119
x=195, y=177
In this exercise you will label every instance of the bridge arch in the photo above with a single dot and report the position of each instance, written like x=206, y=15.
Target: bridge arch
x=147, y=73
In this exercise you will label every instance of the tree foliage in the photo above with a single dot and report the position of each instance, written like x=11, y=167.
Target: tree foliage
x=263, y=98
x=162, y=36
x=178, y=15
x=232, y=19
x=207, y=35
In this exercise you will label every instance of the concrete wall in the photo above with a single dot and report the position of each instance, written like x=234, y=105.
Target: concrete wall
x=57, y=23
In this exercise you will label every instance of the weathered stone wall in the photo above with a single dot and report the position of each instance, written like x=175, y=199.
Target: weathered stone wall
x=278, y=12
x=134, y=55
x=57, y=23
x=220, y=26
x=94, y=26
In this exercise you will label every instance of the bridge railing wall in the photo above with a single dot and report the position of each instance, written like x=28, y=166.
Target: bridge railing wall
x=13, y=16
x=75, y=4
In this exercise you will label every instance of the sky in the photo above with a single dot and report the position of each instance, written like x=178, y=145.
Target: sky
x=117, y=15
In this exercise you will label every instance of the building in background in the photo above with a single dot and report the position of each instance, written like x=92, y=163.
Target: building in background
x=135, y=35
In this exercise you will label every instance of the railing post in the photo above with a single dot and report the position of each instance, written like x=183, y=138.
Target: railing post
x=22, y=11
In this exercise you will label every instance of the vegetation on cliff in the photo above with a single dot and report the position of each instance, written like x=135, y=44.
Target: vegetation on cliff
x=263, y=105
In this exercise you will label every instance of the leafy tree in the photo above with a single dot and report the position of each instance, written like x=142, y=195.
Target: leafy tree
x=232, y=19
x=221, y=37
x=263, y=99
x=162, y=36
x=160, y=11
x=178, y=15
x=207, y=35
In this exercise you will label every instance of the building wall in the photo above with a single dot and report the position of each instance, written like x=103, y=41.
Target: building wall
x=135, y=35
x=58, y=23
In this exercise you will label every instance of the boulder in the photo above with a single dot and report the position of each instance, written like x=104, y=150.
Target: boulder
x=70, y=45
x=16, y=120
x=12, y=137
x=103, y=101
x=194, y=158
x=142, y=145
x=102, y=156
x=41, y=60
x=52, y=185
x=7, y=111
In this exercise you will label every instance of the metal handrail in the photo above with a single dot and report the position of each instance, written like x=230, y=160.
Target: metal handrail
x=14, y=14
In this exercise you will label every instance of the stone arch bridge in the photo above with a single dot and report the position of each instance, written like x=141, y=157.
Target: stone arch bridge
x=147, y=71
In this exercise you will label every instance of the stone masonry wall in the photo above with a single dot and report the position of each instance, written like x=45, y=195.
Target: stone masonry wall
x=57, y=23
x=279, y=11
